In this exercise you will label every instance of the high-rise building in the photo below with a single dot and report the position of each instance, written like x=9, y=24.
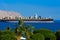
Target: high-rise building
x=35, y=16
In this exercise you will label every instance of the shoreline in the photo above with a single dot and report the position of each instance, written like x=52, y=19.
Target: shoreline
x=39, y=21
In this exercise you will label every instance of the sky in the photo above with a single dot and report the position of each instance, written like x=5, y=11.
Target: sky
x=44, y=8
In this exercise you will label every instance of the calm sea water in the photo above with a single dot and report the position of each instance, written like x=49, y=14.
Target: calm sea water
x=51, y=26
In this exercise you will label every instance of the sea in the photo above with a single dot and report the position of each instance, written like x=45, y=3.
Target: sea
x=53, y=26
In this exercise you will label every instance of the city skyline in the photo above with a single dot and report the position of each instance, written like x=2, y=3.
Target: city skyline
x=44, y=8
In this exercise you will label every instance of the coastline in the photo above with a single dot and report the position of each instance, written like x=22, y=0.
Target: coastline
x=34, y=21
x=39, y=21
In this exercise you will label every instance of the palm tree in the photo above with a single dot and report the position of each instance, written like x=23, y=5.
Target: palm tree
x=29, y=31
x=19, y=30
x=22, y=30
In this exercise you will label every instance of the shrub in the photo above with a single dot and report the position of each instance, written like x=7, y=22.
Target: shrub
x=37, y=36
x=7, y=35
x=49, y=35
x=58, y=35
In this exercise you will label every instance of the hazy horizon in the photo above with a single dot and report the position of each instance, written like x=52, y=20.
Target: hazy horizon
x=44, y=8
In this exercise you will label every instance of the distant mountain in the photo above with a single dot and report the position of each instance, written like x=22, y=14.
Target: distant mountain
x=7, y=14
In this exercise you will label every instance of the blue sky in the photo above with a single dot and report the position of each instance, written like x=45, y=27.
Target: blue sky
x=44, y=8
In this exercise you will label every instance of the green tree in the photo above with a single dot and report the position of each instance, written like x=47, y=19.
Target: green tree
x=23, y=30
x=29, y=31
x=20, y=23
x=19, y=29
x=37, y=36
x=7, y=35
x=49, y=35
x=58, y=35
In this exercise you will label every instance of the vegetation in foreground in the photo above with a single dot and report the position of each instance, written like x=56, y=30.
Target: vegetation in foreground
x=29, y=33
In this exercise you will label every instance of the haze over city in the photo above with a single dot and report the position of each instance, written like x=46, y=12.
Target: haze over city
x=44, y=8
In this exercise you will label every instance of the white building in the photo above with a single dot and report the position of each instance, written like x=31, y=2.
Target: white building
x=35, y=16
x=22, y=38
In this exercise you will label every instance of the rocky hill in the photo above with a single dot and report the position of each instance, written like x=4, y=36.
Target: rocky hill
x=7, y=14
